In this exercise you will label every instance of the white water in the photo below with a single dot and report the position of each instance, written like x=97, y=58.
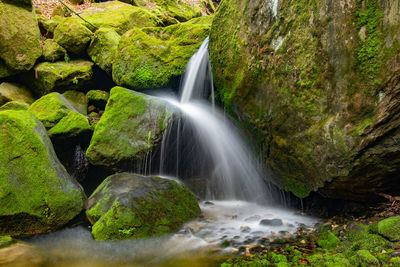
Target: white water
x=274, y=8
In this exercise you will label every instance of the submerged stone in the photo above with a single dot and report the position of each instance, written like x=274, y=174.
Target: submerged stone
x=131, y=126
x=15, y=92
x=37, y=194
x=127, y=205
x=272, y=222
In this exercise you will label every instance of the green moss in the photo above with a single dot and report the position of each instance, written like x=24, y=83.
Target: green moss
x=328, y=240
x=78, y=100
x=364, y=258
x=72, y=125
x=395, y=262
x=37, y=194
x=390, y=228
x=52, y=51
x=328, y=260
x=151, y=57
x=14, y=105
x=6, y=241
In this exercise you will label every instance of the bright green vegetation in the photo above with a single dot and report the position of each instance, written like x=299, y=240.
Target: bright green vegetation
x=51, y=108
x=72, y=125
x=129, y=206
x=327, y=240
x=15, y=92
x=78, y=100
x=52, y=51
x=6, y=241
x=151, y=57
x=121, y=136
x=72, y=35
x=103, y=47
x=36, y=193
x=390, y=228
x=19, y=39
x=60, y=76
x=15, y=105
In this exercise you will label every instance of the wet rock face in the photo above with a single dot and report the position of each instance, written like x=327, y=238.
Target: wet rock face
x=318, y=84
x=128, y=206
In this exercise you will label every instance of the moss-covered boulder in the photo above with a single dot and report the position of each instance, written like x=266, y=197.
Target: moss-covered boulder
x=19, y=39
x=128, y=205
x=60, y=76
x=15, y=105
x=131, y=126
x=364, y=258
x=14, y=92
x=72, y=126
x=98, y=98
x=36, y=193
x=117, y=15
x=72, y=35
x=103, y=47
x=390, y=228
x=151, y=57
x=51, y=108
x=316, y=83
x=78, y=100
x=328, y=240
x=52, y=51
x=46, y=25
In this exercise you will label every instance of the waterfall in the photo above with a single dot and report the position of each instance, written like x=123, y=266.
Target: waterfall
x=232, y=169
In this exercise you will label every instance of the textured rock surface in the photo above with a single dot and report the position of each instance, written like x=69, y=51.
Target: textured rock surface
x=19, y=39
x=36, y=193
x=52, y=51
x=78, y=100
x=150, y=57
x=129, y=205
x=15, y=92
x=318, y=84
x=15, y=105
x=131, y=126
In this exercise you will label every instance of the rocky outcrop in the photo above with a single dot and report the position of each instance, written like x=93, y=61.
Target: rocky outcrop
x=15, y=92
x=37, y=194
x=131, y=126
x=318, y=84
x=19, y=38
x=151, y=57
x=128, y=206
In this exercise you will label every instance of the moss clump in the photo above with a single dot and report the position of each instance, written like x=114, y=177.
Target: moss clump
x=72, y=35
x=128, y=206
x=6, y=241
x=51, y=108
x=19, y=39
x=364, y=258
x=395, y=262
x=151, y=57
x=78, y=100
x=14, y=105
x=12, y=91
x=121, y=136
x=328, y=240
x=98, y=98
x=103, y=47
x=70, y=126
x=52, y=51
x=60, y=76
x=390, y=228
x=36, y=193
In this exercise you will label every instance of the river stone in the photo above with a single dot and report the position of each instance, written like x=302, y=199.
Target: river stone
x=72, y=35
x=37, y=194
x=19, y=39
x=14, y=92
x=390, y=228
x=127, y=205
x=78, y=100
x=60, y=76
x=131, y=126
x=151, y=57
x=325, y=109
x=103, y=47
x=271, y=222
x=52, y=51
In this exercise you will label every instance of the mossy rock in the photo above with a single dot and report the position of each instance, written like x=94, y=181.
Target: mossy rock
x=14, y=105
x=98, y=98
x=127, y=206
x=103, y=47
x=47, y=25
x=14, y=92
x=151, y=57
x=37, y=194
x=72, y=126
x=19, y=39
x=395, y=262
x=78, y=100
x=364, y=258
x=119, y=16
x=390, y=228
x=60, y=76
x=72, y=35
x=27, y=4
x=51, y=108
x=328, y=240
x=131, y=126
x=6, y=241
x=328, y=260
x=52, y=51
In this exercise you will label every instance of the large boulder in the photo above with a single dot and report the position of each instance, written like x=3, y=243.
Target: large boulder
x=36, y=193
x=72, y=35
x=128, y=205
x=103, y=47
x=131, y=126
x=151, y=57
x=317, y=82
x=19, y=39
x=15, y=92
x=59, y=76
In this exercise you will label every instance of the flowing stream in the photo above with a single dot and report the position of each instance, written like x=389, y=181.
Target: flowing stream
x=238, y=206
